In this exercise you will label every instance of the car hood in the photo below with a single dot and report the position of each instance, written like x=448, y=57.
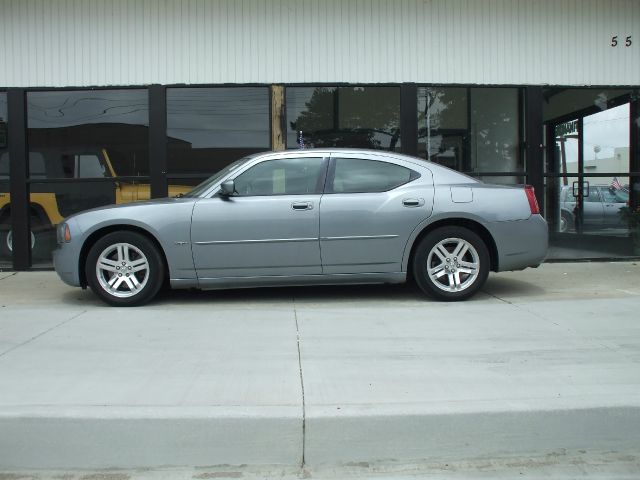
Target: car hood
x=136, y=205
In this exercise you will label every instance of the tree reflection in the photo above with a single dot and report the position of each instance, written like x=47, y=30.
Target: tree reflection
x=359, y=117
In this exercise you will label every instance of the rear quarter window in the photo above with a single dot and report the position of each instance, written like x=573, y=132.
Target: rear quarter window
x=353, y=175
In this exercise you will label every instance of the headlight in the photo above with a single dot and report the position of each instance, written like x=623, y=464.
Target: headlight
x=63, y=234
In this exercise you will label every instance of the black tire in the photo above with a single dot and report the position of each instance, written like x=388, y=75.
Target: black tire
x=5, y=252
x=448, y=265
x=125, y=286
x=6, y=238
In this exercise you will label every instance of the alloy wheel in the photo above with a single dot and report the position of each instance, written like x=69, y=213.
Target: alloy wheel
x=122, y=270
x=453, y=264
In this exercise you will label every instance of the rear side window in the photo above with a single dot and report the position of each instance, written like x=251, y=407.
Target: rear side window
x=353, y=175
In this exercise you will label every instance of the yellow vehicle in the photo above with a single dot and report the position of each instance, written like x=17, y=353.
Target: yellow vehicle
x=51, y=202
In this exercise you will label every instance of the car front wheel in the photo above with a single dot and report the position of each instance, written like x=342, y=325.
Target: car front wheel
x=124, y=269
x=451, y=263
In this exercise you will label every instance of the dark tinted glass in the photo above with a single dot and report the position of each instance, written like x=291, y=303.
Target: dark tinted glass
x=79, y=135
x=473, y=130
x=69, y=127
x=208, y=128
x=290, y=176
x=443, y=134
x=361, y=117
x=355, y=175
x=5, y=212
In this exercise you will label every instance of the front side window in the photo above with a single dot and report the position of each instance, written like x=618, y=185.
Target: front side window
x=354, y=175
x=289, y=176
x=593, y=196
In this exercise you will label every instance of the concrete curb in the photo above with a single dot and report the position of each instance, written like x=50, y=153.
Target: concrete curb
x=139, y=438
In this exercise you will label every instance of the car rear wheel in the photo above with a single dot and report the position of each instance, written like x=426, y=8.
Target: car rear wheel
x=566, y=222
x=451, y=263
x=124, y=269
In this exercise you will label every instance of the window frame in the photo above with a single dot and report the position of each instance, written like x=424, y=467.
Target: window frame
x=331, y=175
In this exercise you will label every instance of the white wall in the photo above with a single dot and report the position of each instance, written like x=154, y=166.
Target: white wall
x=134, y=42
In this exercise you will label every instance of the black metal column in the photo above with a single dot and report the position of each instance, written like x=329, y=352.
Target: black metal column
x=534, y=147
x=19, y=173
x=409, y=119
x=158, y=140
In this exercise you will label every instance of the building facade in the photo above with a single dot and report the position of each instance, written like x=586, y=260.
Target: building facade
x=112, y=101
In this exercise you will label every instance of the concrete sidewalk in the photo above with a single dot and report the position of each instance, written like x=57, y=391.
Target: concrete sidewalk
x=543, y=364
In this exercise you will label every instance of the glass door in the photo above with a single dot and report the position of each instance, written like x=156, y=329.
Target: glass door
x=588, y=186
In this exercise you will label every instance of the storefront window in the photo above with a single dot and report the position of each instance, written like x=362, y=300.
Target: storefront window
x=208, y=128
x=472, y=130
x=91, y=138
x=587, y=172
x=5, y=210
x=358, y=117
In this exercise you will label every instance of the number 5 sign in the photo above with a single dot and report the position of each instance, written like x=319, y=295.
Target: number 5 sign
x=627, y=41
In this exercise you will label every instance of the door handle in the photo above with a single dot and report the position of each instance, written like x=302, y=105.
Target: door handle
x=413, y=202
x=302, y=205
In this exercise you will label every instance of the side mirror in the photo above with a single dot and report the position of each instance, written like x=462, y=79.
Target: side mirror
x=227, y=188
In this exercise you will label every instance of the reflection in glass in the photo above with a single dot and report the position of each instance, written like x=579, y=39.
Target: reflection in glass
x=363, y=176
x=208, y=128
x=76, y=135
x=357, y=117
x=5, y=211
x=588, y=187
x=108, y=123
x=443, y=126
x=606, y=142
x=289, y=176
x=472, y=130
x=560, y=102
x=495, y=131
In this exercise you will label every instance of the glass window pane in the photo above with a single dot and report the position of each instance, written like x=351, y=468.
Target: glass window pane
x=208, y=128
x=96, y=134
x=591, y=127
x=606, y=142
x=471, y=130
x=495, y=130
x=5, y=211
x=359, y=176
x=358, y=117
x=443, y=126
x=110, y=124
x=290, y=176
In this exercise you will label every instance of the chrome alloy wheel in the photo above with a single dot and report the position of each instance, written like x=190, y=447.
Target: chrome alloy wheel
x=122, y=270
x=9, y=240
x=453, y=264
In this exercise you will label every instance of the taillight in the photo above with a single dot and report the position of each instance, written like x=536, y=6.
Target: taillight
x=531, y=197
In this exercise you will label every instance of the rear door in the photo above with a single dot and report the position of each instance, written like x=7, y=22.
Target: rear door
x=370, y=207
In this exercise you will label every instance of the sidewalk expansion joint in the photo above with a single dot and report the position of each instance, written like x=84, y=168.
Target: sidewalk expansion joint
x=2, y=354
x=8, y=276
x=304, y=414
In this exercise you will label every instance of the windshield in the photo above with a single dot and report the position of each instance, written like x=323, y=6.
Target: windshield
x=204, y=186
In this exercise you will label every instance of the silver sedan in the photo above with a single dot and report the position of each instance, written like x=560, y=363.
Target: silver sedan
x=308, y=217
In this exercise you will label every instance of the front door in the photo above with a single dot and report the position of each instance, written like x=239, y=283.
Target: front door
x=270, y=227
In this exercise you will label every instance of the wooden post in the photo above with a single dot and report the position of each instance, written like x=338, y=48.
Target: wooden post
x=278, y=127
